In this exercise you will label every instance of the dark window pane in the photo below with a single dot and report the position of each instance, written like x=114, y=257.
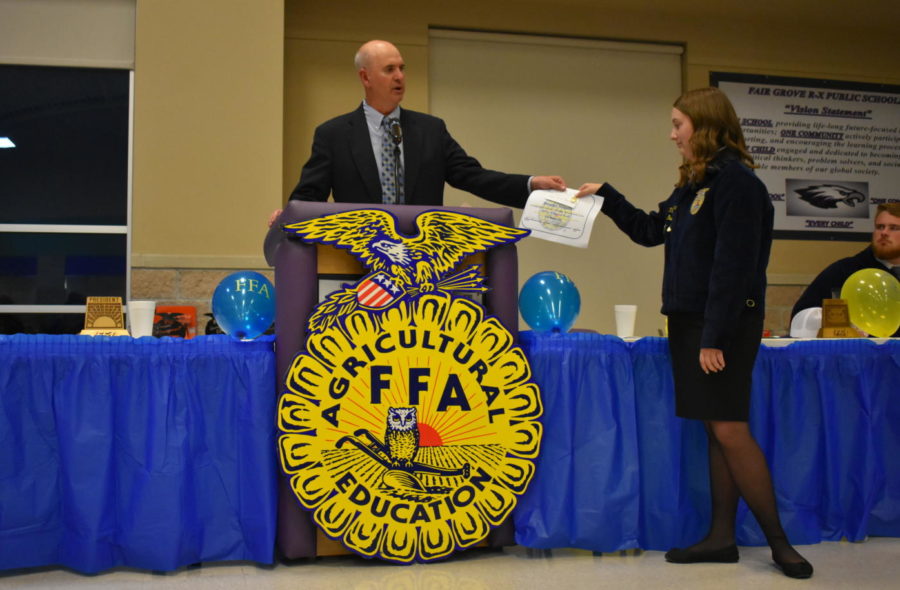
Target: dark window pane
x=70, y=128
x=58, y=269
x=41, y=323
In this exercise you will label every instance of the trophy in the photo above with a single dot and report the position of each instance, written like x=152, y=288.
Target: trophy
x=836, y=320
x=103, y=317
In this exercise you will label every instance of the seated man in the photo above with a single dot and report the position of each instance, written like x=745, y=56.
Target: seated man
x=883, y=253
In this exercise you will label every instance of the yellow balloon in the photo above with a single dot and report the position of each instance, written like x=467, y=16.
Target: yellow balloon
x=873, y=299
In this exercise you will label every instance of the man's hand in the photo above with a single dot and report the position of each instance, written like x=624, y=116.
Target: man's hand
x=711, y=360
x=274, y=216
x=553, y=183
x=588, y=188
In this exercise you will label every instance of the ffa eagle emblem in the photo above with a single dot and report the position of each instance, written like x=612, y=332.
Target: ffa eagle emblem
x=404, y=267
x=698, y=200
x=409, y=424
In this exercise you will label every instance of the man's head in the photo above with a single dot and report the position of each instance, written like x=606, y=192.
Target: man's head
x=886, y=235
x=380, y=67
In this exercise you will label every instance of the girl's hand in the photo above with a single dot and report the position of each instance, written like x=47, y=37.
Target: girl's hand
x=711, y=360
x=589, y=188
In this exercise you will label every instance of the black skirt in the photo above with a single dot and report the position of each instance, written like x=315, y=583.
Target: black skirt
x=717, y=396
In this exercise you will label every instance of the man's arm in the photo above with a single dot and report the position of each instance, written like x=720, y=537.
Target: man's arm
x=316, y=177
x=466, y=173
x=553, y=183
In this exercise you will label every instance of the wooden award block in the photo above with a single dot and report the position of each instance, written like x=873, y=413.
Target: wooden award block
x=836, y=320
x=103, y=317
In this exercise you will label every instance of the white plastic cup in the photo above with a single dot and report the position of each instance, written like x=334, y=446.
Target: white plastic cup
x=625, y=316
x=140, y=318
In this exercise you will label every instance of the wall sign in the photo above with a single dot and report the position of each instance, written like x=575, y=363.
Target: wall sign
x=828, y=151
x=409, y=424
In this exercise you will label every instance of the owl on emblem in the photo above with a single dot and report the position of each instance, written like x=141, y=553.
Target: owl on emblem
x=402, y=436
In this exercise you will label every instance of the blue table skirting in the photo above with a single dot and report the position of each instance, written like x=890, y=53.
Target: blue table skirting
x=159, y=453
x=618, y=470
x=149, y=453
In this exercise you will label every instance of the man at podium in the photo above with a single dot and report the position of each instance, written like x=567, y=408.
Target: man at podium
x=380, y=153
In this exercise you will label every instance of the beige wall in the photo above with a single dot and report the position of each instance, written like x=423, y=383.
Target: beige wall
x=208, y=131
x=624, y=90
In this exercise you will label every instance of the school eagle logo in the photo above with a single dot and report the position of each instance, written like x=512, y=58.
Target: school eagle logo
x=827, y=196
x=401, y=266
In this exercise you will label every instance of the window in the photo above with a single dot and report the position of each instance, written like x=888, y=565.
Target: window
x=64, y=193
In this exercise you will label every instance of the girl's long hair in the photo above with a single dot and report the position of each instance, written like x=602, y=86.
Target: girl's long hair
x=716, y=126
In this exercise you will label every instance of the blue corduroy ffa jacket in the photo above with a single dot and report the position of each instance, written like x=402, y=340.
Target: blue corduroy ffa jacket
x=717, y=238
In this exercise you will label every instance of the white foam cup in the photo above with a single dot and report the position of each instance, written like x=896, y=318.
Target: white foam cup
x=140, y=317
x=625, y=316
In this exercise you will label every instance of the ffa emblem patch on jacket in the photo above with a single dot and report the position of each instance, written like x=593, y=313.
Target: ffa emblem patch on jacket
x=698, y=200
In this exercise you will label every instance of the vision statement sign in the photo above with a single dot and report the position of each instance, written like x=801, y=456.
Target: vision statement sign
x=409, y=424
x=828, y=151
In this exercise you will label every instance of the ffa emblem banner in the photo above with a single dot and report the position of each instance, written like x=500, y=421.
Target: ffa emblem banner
x=409, y=425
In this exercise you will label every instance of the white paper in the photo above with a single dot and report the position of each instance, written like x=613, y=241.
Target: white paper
x=557, y=216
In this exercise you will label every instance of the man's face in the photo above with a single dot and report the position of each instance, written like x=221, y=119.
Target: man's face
x=383, y=78
x=886, y=238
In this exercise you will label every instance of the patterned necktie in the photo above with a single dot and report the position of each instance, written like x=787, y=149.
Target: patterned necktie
x=391, y=167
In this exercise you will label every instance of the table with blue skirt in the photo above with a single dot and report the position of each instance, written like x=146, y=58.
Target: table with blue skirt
x=617, y=470
x=149, y=453
x=160, y=453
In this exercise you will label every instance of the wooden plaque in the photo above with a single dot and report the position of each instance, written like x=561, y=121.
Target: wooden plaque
x=836, y=320
x=103, y=317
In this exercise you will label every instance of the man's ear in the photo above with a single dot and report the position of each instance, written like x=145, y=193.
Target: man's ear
x=364, y=77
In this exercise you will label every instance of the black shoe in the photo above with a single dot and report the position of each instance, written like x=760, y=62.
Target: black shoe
x=727, y=554
x=797, y=569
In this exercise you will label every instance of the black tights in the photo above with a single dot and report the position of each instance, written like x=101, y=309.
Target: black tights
x=737, y=468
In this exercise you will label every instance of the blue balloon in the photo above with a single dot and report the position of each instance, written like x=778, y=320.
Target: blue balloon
x=244, y=304
x=549, y=302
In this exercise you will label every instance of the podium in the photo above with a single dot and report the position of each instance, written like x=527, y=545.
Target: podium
x=298, y=266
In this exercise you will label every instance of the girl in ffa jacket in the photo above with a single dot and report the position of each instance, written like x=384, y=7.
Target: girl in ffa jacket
x=716, y=227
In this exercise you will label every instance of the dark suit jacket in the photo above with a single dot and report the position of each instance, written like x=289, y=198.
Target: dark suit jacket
x=342, y=163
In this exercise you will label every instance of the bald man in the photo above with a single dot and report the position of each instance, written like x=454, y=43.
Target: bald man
x=347, y=151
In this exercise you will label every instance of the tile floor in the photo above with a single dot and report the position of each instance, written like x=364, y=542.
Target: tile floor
x=872, y=564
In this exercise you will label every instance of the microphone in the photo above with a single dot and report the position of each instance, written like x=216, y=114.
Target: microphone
x=396, y=133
